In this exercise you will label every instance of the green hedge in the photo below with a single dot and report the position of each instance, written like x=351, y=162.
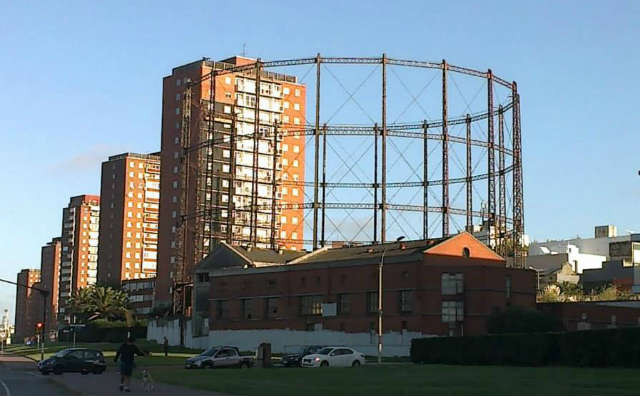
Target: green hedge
x=596, y=348
x=105, y=331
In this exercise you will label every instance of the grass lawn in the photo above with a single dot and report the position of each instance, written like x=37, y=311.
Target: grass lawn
x=409, y=379
x=177, y=355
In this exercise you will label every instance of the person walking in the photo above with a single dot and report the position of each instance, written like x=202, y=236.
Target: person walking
x=165, y=346
x=126, y=353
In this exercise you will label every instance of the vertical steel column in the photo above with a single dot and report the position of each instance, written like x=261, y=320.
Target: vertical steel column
x=256, y=142
x=274, y=188
x=208, y=217
x=316, y=133
x=518, y=215
x=469, y=180
x=502, y=196
x=425, y=167
x=324, y=179
x=445, y=155
x=232, y=176
x=375, y=183
x=383, y=218
x=491, y=166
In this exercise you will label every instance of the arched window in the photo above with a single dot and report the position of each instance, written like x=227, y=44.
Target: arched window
x=466, y=252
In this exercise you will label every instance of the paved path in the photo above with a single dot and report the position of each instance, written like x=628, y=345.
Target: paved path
x=19, y=376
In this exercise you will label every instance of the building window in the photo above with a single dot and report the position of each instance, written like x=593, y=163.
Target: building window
x=294, y=220
x=285, y=90
x=344, y=304
x=452, y=284
x=296, y=106
x=271, y=307
x=227, y=80
x=296, y=92
x=372, y=302
x=222, y=309
x=507, y=286
x=248, y=309
x=406, y=301
x=311, y=305
x=465, y=252
x=452, y=311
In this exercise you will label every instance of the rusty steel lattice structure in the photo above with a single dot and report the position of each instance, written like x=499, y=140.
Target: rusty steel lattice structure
x=504, y=220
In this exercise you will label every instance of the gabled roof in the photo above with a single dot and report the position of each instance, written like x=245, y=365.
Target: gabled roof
x=228, y=256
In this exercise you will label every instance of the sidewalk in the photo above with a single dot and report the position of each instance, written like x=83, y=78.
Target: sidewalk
x=107, y=384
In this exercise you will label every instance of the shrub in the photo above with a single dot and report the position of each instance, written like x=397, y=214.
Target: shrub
x=594, y=348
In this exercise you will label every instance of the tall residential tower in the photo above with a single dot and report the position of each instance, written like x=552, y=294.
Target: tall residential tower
x=79, y=261
x=129, y=202
x=223, y=173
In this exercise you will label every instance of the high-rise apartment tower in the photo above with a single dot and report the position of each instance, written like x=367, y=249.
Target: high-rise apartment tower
x=28, y=304
x=129, y=204
x=50, y=274
x=79, y=261
x=223, y=172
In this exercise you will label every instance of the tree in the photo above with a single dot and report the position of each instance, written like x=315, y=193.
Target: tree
x=522, y=320
x=98, y=302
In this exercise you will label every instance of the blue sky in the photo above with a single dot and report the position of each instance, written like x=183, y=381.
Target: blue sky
x=82, y=80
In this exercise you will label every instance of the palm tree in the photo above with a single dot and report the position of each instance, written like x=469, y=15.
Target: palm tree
x=98, y=302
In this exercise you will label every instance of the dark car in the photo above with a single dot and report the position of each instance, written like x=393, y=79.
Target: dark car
x=74, y=360
x=295, y=359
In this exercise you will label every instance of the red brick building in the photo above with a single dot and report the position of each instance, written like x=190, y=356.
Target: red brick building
x=594, y=315
x=129, y=206
x=446, y=286
x=282, y=103
x=50, y=272
x=28, y=304
x=79, y=257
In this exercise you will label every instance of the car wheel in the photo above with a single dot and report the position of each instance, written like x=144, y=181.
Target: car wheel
x=355, y=363
x=44, y=372
x=244, y=365
x=84, y=371
x=324, y=364
x=57, y=370
x=207, y=365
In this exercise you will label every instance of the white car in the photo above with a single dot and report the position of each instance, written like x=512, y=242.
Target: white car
x=334, y=357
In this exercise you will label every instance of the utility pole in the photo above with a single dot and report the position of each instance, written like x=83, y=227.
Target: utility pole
x=380, y=331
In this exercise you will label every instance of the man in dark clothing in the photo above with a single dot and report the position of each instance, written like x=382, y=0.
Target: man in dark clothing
x=165, y=346
x=126, y=353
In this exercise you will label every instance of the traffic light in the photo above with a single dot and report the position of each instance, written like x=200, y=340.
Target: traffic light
x=39, y=327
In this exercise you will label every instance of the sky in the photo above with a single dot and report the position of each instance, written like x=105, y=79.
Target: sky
x=80, y=81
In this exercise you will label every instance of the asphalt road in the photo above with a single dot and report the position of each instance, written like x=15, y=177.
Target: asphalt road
x=19, y=377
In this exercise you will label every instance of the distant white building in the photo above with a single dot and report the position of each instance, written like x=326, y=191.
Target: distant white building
x=583, y=253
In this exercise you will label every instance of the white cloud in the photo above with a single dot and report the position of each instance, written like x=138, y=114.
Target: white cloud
x=88, y=160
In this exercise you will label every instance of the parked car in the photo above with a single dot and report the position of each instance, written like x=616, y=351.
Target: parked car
x=74, y=360
x=219, y=356
x=334, y=357
x=295, y=359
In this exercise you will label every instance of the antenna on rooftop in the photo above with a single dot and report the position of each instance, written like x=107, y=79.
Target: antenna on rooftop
x=244, y=49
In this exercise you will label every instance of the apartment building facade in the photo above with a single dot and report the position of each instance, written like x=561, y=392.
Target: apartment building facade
x=140, y=292
x=50, y=273
x=129, y=206
x=28, y=304
x=79, y=242
x=209, y=192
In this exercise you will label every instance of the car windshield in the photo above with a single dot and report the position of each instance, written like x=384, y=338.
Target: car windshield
x=310, y=349
x=324, y=351
x=210, y=352
x=61, y=353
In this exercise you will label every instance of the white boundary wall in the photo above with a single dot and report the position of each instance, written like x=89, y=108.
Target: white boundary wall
x=395, y=343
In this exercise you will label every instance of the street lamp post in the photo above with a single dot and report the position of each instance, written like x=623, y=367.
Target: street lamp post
x=380, y=267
